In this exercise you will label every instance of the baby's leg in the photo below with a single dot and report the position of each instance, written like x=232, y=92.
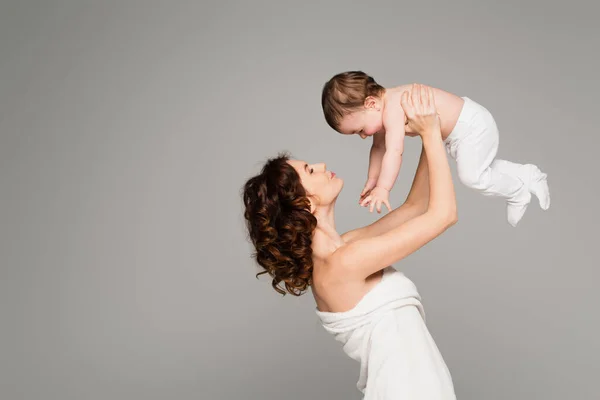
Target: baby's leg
x=478, y=169
x=534, y=179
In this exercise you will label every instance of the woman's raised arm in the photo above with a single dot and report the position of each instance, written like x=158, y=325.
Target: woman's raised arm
x=369, y=254
x=414, y=205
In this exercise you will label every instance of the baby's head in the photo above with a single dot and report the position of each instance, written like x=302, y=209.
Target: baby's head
x=353, y=104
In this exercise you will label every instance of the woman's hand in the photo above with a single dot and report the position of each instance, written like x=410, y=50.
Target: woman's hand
x=421, y=113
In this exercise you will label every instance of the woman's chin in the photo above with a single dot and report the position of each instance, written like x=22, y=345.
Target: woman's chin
x=340, y=182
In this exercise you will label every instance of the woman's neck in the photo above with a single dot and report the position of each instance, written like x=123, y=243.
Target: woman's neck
x=326, y=238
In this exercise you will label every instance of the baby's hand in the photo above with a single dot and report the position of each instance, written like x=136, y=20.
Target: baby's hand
x=367, y=189
x=378, y=196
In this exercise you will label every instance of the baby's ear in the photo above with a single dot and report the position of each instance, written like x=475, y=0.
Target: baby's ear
x=372, y=103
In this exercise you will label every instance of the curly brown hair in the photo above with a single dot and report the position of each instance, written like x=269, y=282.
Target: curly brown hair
x=280, y=225
x=345, y=93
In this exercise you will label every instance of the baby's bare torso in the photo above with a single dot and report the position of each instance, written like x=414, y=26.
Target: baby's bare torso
x=448, y=105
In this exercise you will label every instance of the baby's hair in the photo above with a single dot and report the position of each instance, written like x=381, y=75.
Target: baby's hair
x=346, y=92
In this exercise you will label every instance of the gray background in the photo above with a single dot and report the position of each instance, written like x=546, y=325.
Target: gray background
x=128, y=128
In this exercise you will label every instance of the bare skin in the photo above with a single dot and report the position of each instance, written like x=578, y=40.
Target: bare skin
x=448, y=106
x=347, y=266
x=384, y=120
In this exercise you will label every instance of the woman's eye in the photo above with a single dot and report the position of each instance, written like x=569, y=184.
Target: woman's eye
x=311, y=170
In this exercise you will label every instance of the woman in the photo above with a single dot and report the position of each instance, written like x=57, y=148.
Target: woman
x=367, y=305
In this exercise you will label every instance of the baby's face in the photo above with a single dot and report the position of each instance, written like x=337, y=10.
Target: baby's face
x=363, y=123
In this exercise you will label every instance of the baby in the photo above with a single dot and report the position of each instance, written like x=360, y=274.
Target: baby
x=354, y=104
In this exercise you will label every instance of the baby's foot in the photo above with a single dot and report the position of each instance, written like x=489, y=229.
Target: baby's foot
x=534, y=182
x=538, y=185
x=516, y=207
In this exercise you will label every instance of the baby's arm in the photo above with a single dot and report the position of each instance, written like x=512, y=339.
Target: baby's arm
x=375, y=159
x=394, y=147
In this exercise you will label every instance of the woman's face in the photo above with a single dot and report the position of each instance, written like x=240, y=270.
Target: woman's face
x=322, y=186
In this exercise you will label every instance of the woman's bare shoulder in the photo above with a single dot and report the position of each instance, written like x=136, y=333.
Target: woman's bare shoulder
x=337, y=290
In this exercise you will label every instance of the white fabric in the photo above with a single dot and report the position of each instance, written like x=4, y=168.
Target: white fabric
x=473, y=143
x=386, y=333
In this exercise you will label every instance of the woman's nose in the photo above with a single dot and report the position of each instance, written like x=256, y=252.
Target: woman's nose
x=322, y=166
x=363, y=136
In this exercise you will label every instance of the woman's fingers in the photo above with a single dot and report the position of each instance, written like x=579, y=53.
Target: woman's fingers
x=417, y=98
x=432, y=100
x=423, y=99
x=406, y=103
x=404, y=100
x=424, y=95
x=422, y=111
x=429, y=99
